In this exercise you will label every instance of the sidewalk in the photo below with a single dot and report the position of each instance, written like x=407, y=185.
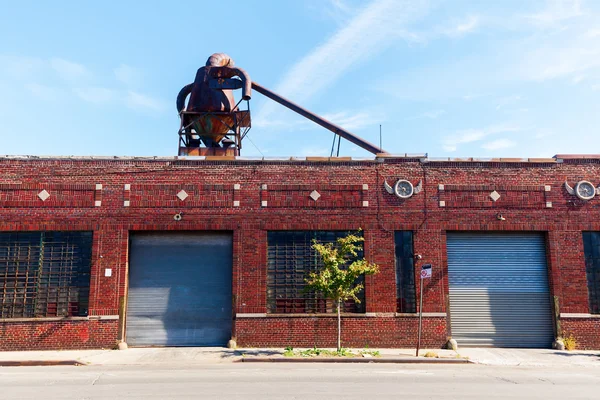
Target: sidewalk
x=190, y=356
x=532, y=357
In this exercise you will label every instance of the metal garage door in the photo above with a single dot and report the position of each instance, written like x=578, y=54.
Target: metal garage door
x=179, y=289
x=499, y=292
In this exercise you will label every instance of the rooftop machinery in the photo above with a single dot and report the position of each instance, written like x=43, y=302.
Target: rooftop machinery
x=214, y=124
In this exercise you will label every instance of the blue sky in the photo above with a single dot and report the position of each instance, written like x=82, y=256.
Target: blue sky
x=447, y=78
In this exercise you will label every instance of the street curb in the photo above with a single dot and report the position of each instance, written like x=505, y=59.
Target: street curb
x=355, y=360
x=40, y=363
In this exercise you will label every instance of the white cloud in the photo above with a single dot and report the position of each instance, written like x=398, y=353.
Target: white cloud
x=543, y=134
x=350, y=120
x=498, y=144
x=339, y=11
x=43, y=92
x=470, y=96
x=372, y=30
x=340, y=5
x=433, y=114
x=294, y=122
x=464, y=136
x=353, y=120
x=95, y=94
x=552, y=62
x=470, y=24
x=315, y=151
x=508, y=100
x=555, y=12
x=67, y=70
x=140, y=101
x=528, y=53
x=20, y=67
x=128, y=75
x=565, y=43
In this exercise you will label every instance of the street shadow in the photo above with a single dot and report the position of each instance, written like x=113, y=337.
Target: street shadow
x=253, y=352
x=576, y=353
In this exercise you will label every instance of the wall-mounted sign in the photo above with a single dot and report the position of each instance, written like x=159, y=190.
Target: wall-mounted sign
x=426, y=271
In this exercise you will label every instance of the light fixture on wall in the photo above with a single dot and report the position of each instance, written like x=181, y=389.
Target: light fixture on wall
x=178, y=216
x=499, y=217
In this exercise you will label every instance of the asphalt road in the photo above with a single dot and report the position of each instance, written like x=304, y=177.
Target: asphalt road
x=300, y=381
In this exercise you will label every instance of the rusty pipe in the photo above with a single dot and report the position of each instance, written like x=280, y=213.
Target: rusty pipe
x=318, y=120
x=183, y=93
x=228, y=72
x=246, y=82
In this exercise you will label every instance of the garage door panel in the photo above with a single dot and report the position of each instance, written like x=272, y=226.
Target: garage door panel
x=499, y=292
x=179, y=289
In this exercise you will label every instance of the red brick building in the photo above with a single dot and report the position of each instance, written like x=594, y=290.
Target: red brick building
x=195, y=251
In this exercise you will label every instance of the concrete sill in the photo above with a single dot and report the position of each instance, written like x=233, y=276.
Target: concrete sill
x=579, y=316
x=58, y=319
x=425, y=315
x=345, y=315
x=267, y=315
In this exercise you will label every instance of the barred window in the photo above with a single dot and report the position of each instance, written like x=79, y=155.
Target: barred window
x=405, y=272
x=591, y=248
x=290, y=259
x=44, y=274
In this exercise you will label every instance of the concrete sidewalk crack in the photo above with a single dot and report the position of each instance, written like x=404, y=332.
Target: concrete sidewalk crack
x=546, y=380
x=96, y=379
x=506, y=380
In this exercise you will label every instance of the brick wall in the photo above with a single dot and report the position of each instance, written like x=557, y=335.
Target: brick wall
x=357, y=332
x=584, y=330
x=65, y=334
x=137, y=195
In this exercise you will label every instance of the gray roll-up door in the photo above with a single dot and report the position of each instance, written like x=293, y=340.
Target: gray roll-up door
x=499, y=294
x=179, y=289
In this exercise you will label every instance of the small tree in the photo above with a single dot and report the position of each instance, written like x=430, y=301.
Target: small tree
x=336, y=280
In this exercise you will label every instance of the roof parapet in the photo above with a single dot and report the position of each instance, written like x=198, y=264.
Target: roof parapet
x=382, y=158
x=577, y=156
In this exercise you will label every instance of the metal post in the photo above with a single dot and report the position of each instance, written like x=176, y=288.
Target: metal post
x=339, y=321
x=420, y=317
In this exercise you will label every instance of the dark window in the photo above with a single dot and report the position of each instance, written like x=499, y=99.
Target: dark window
x=44, y=274
x=405, y=272
x=591, y=248
x=290, y=259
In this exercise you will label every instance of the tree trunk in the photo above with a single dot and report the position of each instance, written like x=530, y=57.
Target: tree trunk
x=339, y=337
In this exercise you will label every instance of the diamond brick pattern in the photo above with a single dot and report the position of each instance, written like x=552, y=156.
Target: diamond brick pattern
x=43, y=195
x=182, y=195
x=315, y=195
x=494, y=196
